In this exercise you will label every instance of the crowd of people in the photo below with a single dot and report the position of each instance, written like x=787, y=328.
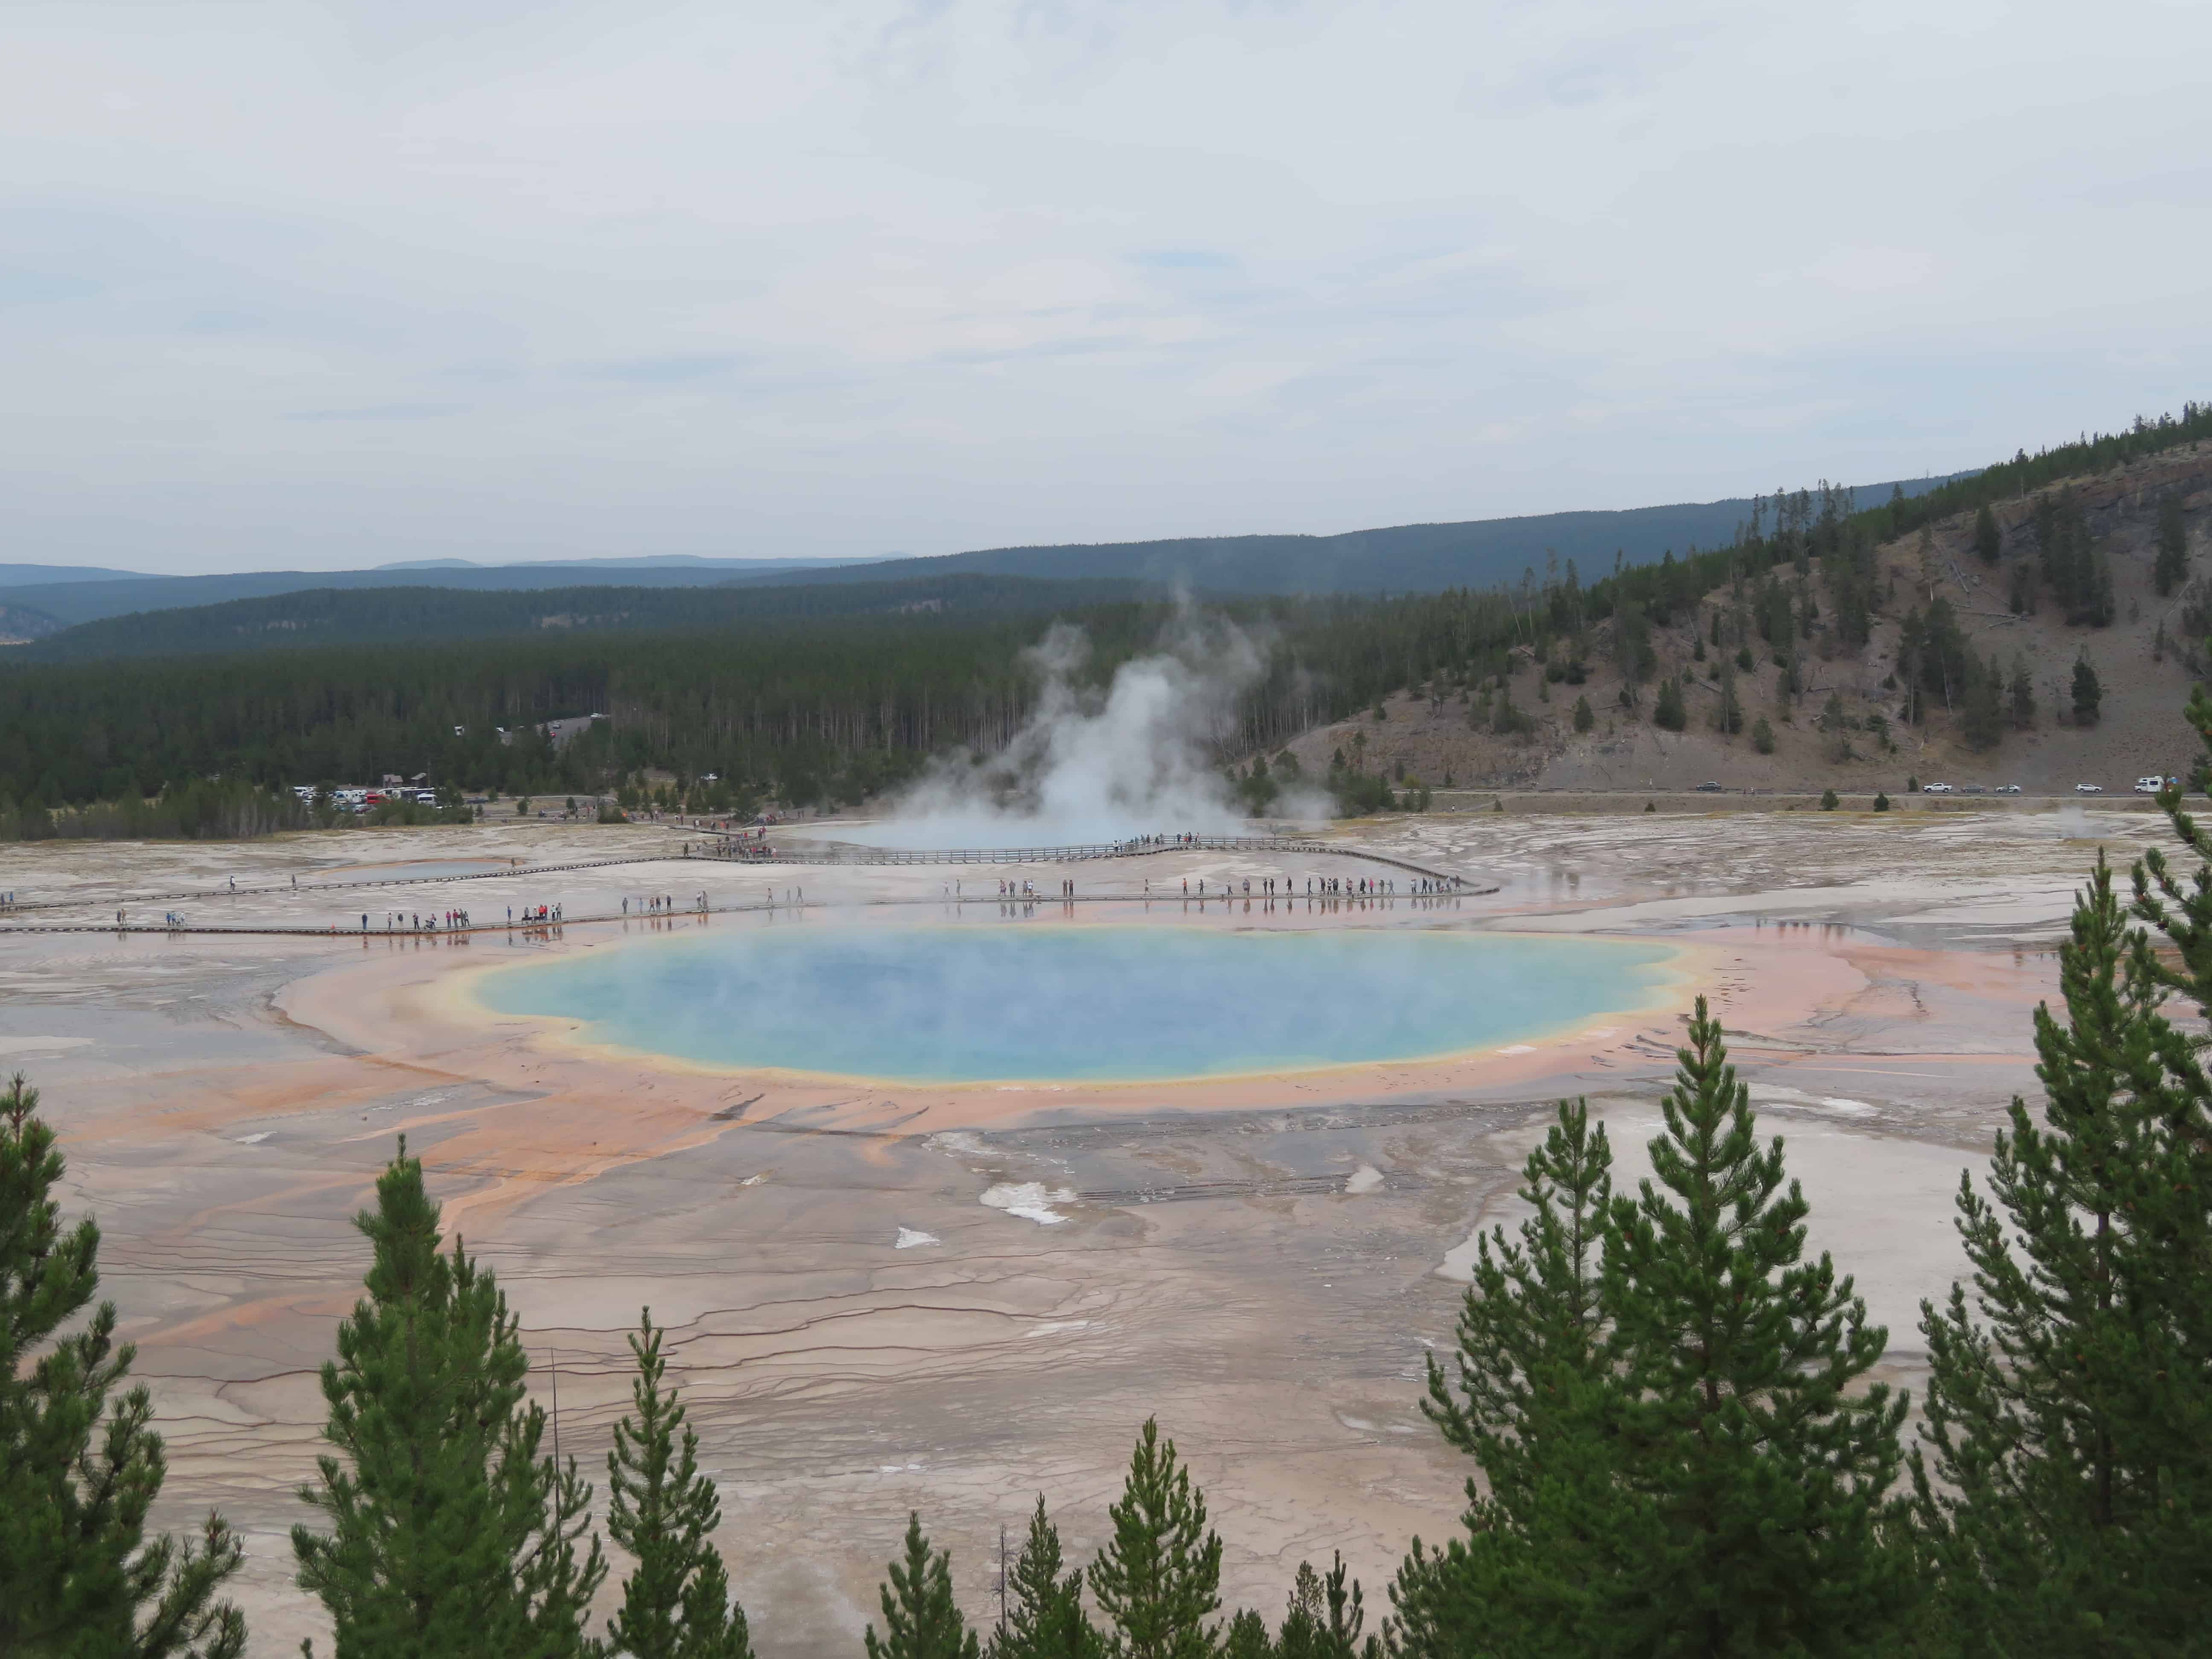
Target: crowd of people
x=416, y=921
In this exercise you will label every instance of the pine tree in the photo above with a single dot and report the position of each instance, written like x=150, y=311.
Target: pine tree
x=2088, y=693
x=1324, y=1618
x=1668, y=710
x=1044, y=1610
x=1158, y=1580
x=675, y=1602
x=1989, y=541
x=2100, y=607
x=1248, y=1638
x=2170, y=567
x=1533, y=1406
x=2068, y=1405
x=1728, y=714
x=2021, y=694
x=449, y=1534
x=1981, y=712
x=1758, y=1458
x=77, y=1575
x=920, y=1619
x=1584, y=717
x=2069, y=1408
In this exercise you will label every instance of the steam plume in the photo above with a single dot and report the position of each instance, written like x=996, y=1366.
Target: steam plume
x=1137, y=757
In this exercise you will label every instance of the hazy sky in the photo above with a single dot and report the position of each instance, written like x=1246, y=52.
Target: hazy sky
x=288, y=285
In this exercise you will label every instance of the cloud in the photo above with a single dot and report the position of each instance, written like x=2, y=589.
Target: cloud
x=678, y=368
x=41, y=288
x=1184, y=259
x=381, y=412
x=983, y=272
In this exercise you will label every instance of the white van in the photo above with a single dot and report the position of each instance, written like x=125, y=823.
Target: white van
x=2149, y=786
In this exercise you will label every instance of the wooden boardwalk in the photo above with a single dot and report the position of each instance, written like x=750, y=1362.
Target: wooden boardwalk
x=814, y=855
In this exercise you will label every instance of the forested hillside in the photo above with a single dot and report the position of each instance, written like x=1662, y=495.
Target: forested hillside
x=2033, y=626
x=813, y=709
x=806, y=707
x=1414, y=558
x=1399, y=559
x=327, y=616
x=79, y=596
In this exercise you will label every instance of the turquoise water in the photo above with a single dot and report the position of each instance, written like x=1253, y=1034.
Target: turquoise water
x=1100, y=1004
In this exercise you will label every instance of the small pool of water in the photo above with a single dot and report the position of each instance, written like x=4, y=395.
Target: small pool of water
x=983, y=1004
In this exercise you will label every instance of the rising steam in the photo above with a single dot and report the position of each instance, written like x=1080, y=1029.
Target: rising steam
x=1138, y=757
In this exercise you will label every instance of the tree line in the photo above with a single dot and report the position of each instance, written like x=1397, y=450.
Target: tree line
x=318, y=618
x=1681, y=1443
x=807, y=708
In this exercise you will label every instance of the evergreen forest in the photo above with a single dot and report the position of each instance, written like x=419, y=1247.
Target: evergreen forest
x=830, y=694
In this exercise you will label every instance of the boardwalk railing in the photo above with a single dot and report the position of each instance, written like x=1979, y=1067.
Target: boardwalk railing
x=748, y=852
x=852, y=853
x=848, y=851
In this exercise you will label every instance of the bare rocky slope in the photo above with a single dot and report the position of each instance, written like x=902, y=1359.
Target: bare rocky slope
x=2143, y=659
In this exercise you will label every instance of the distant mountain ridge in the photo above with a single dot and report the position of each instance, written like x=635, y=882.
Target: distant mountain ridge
x=76, y=602
x=1482, y=553
x=35, y=575
x=1405, y=558
x=634, y=562
x=419, y=614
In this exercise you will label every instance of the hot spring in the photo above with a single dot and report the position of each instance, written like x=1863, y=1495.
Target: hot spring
x=983, y=1004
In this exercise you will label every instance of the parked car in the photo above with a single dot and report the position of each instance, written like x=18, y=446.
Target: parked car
x=2088, y=789
x=1709, y=788
x=1935, y=788
x=1971, y=789
x=2007, y=789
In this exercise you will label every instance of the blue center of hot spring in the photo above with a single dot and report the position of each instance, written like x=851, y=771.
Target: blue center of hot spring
x=1102, y=1004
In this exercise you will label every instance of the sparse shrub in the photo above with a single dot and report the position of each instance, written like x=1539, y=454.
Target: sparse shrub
x=1828, y=801
x=1881, y=802
x=1508, y=721
x=1585, y=717
x=1762, y=736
